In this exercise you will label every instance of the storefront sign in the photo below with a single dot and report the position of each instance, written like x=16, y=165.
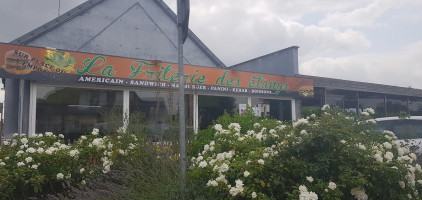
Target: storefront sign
x=47, y=65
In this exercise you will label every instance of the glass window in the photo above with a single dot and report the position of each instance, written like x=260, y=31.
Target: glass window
x=212, y=107
x=344, y=99
x=311, y=105
x=157, y=112
x=415, y=106
x=372, y=100
x=395, y=105
x=273, y=108
x=76, y=111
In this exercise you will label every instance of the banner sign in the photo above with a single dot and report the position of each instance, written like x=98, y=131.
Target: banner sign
x=60, y=66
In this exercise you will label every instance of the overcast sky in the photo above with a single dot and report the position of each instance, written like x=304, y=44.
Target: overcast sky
x=378, y=41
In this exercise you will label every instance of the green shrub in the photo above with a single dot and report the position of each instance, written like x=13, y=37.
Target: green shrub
x=44, y=164
x=333, y=156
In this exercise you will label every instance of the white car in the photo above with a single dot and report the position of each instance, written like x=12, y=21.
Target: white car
x=408, y=131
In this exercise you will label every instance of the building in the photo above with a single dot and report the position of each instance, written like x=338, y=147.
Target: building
x=106, y=60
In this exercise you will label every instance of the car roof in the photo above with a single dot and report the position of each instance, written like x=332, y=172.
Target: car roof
x=397, y=118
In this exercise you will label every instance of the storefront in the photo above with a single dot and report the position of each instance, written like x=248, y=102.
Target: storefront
x=115, y=59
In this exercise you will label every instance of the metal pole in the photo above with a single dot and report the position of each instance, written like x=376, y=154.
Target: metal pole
x=182, y=136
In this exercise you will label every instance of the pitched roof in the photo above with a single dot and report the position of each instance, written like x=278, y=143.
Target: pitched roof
x=84, y=7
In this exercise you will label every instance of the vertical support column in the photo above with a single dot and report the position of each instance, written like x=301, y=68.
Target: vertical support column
x=385, y=105
x=125, y=108
x=357, y=105
x=195, y=114
x=249, y=101
x=293, y=107
x=11, y=108
x=32, y=109
x=20, y=108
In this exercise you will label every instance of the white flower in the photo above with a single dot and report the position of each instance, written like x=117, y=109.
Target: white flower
x=83, y=137
x=389, y=156
x=402, y=184
x=247, y=162
x=39, y=135
x=18, y=154
x=343, y=141
x=34, y=166
x=237, y=189
x=246, y=173
x=82, y=170
x=48, y=133
x=413, y=156
x=310, y=179
x=48, y=151
x=106, y=169
x=218, y=127
x=20, y=164
x=260, y=161
x=73, y=153
x=15, y=135
x=223, y=168
x=5, y=143
x=332, y=185
x=83, y=182
x=68, y=176
x=254, y=195
x=303, y=188
x=213, y=183
x=203, y=164
x=24, y=141
x=256, y=125
x=378, y=157
x=2, y=164
x=60, y=176
x=221, y=178
x=361, y=146
x=325, y=107
x=265, y=155
x=300, y=121
x=121, y=130
x=30, y=150
x=387, y=145
x=369, y=110
x=419, y=181
x=28, y=159
x=303, y=132
x=98, y=142
x=61, y=136
x=40, y=150
x=95, y=131
x=365, y=113
x=122, y=152
x=359, y=194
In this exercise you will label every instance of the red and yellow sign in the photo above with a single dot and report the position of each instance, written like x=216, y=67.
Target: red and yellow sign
x=42, y=64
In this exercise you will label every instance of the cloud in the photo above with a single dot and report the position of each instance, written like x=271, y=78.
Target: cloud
x=365, y=16
x=401, y=68
x=242, y=30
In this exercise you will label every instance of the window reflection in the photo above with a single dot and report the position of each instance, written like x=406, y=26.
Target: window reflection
x=76, y=111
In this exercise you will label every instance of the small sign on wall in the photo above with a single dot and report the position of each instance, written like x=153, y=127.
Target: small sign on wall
x=242, y=109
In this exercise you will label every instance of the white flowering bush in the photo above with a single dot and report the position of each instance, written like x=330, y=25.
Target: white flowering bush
x=333, y=156
x=42, y=164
